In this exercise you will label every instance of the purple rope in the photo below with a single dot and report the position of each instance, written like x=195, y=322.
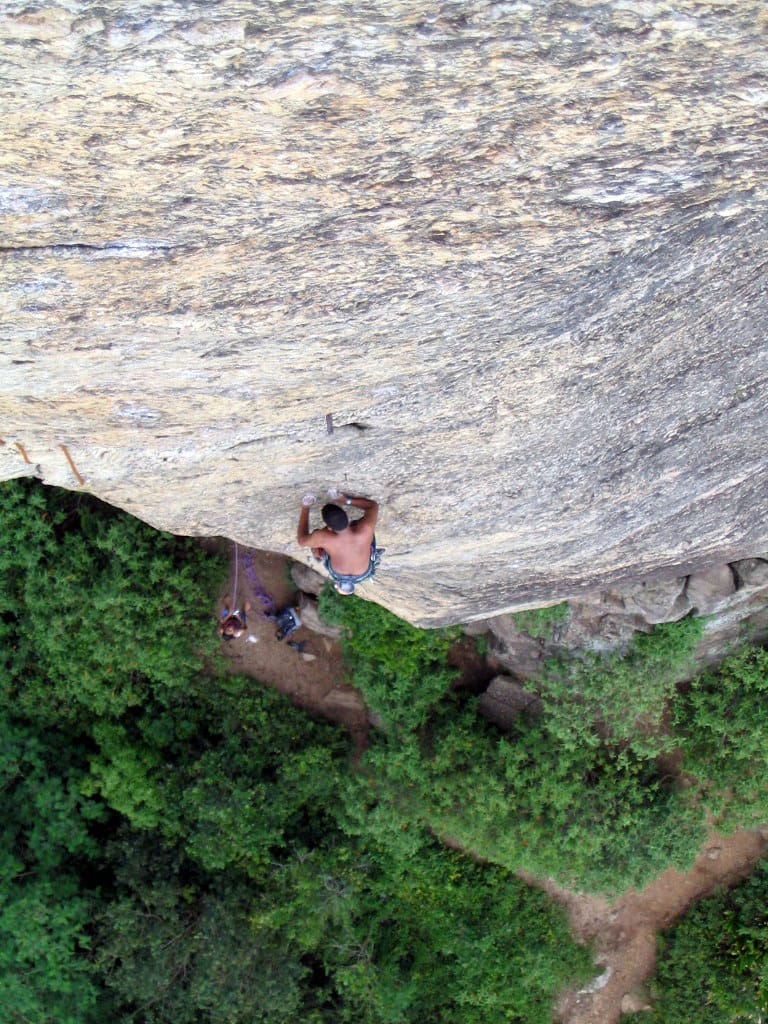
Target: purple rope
x=234, y=587
x=257, y=587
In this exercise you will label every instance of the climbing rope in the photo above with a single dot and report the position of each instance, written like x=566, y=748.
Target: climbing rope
x=286, y=619
x=257, y=587
x=234, y=586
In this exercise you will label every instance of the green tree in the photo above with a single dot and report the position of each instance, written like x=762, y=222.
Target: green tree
x=721, y=722
x=435, y=936
x=386, y=655
x=712, y=966
x=620, y=698
x=93, y=605
x=177, y=945
x=45, y=910
x=562, y=796
x=216, y=859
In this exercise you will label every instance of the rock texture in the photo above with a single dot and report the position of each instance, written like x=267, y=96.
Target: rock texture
x=733, y=599
x=511, y=254
x=505, y=701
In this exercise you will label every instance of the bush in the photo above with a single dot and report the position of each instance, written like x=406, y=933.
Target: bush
x=400, y=670
x=45, y=912
x=182, y=845
x=592, y=818
x=722, y=723
x=552, y=797
x=620, y=699
x=93, y=605
x=433, y=937
x=541, y=623
x=713, y=965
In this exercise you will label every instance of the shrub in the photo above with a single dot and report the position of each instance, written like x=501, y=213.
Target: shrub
x=713, y=965
x=619, y=699
x=45, y=912
x=591, y=817
x=400, y=670
x=552, y=797
x=433, y=937
x=541, y=623
x=93, y=604
x=722, y=724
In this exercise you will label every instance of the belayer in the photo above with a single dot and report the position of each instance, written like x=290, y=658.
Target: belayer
x=346, y=548
x=233, y=621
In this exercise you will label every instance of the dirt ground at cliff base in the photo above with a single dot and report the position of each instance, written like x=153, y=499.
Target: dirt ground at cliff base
x=314, y=676
x=623, y=932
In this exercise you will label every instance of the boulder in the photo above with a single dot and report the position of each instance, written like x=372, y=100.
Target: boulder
x=505, y=700
x=751, y=574
x=306, y=579
x=635, y=1002
x=658, y=600
x=512, y=649
x=310, y=618
x=709, y=590
x=589, y=628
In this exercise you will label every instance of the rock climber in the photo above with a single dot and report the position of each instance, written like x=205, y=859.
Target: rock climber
x=346, y=549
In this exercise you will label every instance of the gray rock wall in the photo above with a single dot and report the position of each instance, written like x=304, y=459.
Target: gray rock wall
x=516, y=251
x=732, y=599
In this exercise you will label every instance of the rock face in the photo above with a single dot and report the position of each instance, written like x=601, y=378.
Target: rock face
x=511, y=254
x=733, y=599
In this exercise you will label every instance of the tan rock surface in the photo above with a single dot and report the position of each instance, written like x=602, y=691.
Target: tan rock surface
x=515, y=250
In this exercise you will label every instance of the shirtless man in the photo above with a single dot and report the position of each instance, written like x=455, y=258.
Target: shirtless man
x=347, y=549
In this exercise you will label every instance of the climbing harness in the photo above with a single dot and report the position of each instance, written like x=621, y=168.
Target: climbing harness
x=345, y=582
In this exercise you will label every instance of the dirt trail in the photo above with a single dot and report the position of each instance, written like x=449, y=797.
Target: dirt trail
x=624, y=932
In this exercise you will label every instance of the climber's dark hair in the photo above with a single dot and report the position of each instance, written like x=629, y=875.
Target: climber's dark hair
x=335, y=518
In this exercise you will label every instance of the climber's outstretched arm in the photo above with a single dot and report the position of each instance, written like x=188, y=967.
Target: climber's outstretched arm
x=302, y=533
x=371, y=509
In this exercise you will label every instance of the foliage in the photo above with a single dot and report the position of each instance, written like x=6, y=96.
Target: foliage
x=387, y=655
x=44, y=912
x=722, y=723
x=619, y=698
x=434, y=936
x=93, y=604
x=181, y=845
x=261, y=777
x=541, y=623
x=482, y=645
x=176, y=945
x=590, y=817
x=552, y=797
x=587, y=773
x=713, y=965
